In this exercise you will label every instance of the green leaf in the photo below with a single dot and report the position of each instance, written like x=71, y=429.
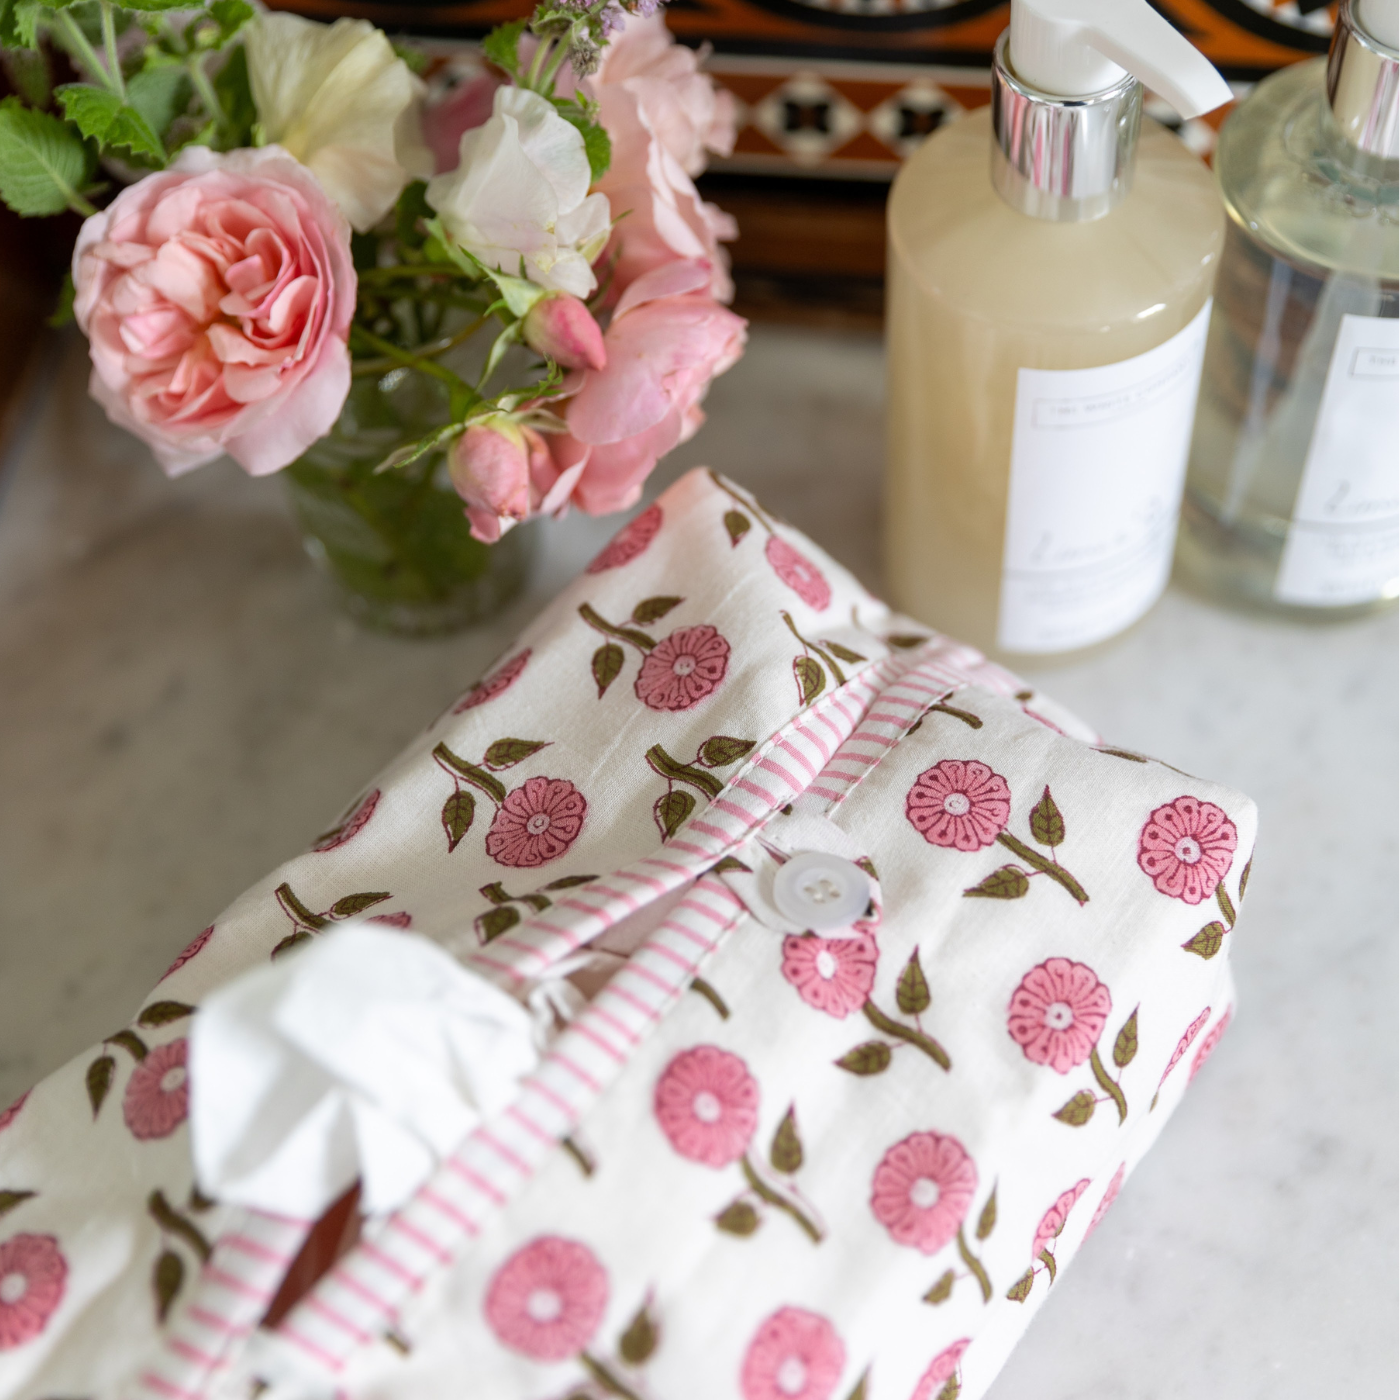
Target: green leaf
x=607, y=663
x=43, y=162
x=942, y=1290
x=672, y=809
x=719, y=751
x=1047, y=825
x=905, y=641
x=230, y=16
x=873, y=1057
x=352, y=904
x=1021, y=1289
x=162, y=1013
x=1005, y=882
x=1244, y=875
x=1078, y=1111
x=987, y=1221
x=103, y=117
x=152, y=6
x=412, y=208
x=1126, y=1045
x=952, y=1388
x=19, y=24
x=159, y=95
x=786, y=1151
x=492, y=924
x=457, y=814
x=131, y=1043
x=911, y=992
x=1048, y=1260
x=172, y=1222
x=569, y=882
x=738, y=524
x=478, y=777
x=30, y=74
x=415, y=60
x=292, y=940
x=738, y=1218
x=862, y=1390
x=727, y=863
x=597, y=144
x=167, y=1280
x=842, y=653
x=506, y=753
x=235, y=94
x=63, y=312
x=502, y=44
x=1226, y=908
x=10, y=1199
x=639, y=1340
x=651, y=609
x=811, y=679
x=1206, y=943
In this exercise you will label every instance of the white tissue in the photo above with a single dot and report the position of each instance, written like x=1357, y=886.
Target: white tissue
x=363, y=1054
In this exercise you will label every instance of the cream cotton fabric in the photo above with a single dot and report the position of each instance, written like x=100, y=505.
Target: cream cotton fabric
x=758, y=1164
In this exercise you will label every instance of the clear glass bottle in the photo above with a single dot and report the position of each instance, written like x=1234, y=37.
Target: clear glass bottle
x=1044, y=346
x=1293, y=492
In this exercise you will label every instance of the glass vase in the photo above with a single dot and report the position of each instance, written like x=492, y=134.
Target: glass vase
x=396, y=544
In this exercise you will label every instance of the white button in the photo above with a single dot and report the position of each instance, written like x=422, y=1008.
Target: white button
x=820, y=891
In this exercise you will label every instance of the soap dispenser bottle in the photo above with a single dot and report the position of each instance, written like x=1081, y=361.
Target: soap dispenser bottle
x=1049, y=277
x=1293, y=491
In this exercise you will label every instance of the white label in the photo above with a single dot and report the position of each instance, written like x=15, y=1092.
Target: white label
x=1098, y=460
x=1344, y=543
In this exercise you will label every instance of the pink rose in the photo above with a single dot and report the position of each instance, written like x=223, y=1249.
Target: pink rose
x=794, y=1355
x=33, y=1276
x=667, y=341
x=158, y=1096
x=547, y=1300
x=922, y=1190
x=504, y=472
x=707, y=1105
x=682, y=669
x=1057, y=1013
x=959, y=803
x=562, y=327
x=1186, y=847
x=536, y=823
x=833, y=974
x=216, y=297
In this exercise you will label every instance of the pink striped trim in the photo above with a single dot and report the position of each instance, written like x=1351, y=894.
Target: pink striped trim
x=574, y=1068
x=638, y=969
x=589, y=1033
x=454, y=1164
x=351, y=1284
x=193, y=1353
x=259, y=1251
x=235, y=1285
x=325, y=1357
x=164, y=1387
x=324, y=1309
x=387, y=1262
x=423, y=1241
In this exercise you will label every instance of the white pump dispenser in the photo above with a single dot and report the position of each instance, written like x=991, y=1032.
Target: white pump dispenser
x=1045, y=328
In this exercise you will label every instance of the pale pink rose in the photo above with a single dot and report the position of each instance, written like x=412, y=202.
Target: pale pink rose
x=833, y=974
x=198, y=942
x=629, y=542
x=460, y=98
x=686, y=110
x=1053, y=1221
x=706, y=1102
x=217, y=297
x=799, y=573
x=941, y=1370
x=536, y=823
x=1109, y=1196
x=1184, y=1044
x=1186, y=847
x=1057, y=1013
x=1210, y=1042
x=351, y=827
x=667, y=340
x=10, y=1114
x=501, y=679
x=33, y=1274
x=503, y=471
x=794, y=1355
x=562, y=327
x=158, y=1095
x=682, y=669
x=922, y=1190
x=959, y=803
x=547, y=1299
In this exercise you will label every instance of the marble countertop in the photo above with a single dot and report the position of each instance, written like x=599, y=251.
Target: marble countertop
x=181, y=708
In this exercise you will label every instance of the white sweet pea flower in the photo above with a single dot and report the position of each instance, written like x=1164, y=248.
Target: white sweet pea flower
x=343, y=103
x=521, y=190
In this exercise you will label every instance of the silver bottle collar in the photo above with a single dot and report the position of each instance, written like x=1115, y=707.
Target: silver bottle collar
x=1363, y=85
x=1066, y=159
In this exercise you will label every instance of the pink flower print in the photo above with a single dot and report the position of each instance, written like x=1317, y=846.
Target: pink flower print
x=11, y=1113
x=794, y=1355
x=707, y=1105
x=401, y=919
x=1109, y=1196
x=1053, y=1221
x=833, y=974
x=959, y=803
x=922, y=1189
x=941, y=1369
x=629, y=542
x=547, y=1299
x=158, y=1095
x=502, y=678
x=536, y=823
x=1057, y=1013
x=199, y=941
x=33, y=1273
x=351, y=826
x=1184, y=1044
x=799, y=573
x=681, y=670
x=1210, y=1042
x=1186, y=847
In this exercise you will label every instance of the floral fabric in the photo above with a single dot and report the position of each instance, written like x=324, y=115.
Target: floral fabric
x=810, y=1166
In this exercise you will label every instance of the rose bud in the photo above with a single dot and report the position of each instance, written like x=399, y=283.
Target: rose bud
x=562, y=327
x=501, y=470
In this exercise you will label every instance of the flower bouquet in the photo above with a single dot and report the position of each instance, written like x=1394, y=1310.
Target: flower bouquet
x=494, y=298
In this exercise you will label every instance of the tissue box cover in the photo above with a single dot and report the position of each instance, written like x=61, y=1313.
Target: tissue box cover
x=760, y=1163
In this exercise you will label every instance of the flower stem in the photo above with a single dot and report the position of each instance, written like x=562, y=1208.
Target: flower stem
x=775, y=1198
x=698, y=984
x=661, y=762
x=109, y=42
x=836, y=671
x=975, y=1264
x=545, y=85
x=605, y=1378
x=194, y=65
x=296, y=910
x=84, y=51
x=908, y=1034
x=640, y=640
x=413, y=361
x=1053, y=869
x=967, y=717
x=1108, y=1085
x=427, y=352
x=477, y=777
x=744, y=501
